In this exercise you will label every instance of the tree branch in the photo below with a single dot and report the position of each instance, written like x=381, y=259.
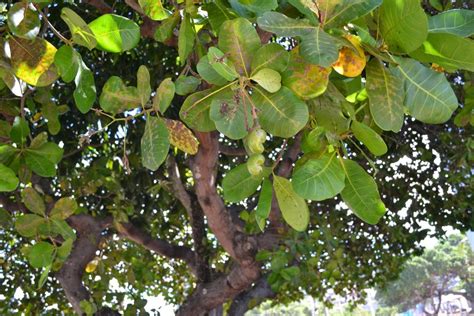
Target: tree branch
x=100, y=5
x=257, y=294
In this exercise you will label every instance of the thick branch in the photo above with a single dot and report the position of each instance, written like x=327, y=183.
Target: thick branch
x=257, y=294
x=84, y=250
x=100, y=5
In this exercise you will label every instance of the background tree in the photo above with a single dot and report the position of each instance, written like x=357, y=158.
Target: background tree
x=185, y=192
x=444, y=269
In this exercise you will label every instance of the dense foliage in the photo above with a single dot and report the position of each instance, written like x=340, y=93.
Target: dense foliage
x=218, y=153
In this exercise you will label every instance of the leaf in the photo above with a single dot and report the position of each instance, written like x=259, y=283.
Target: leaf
x=35, y=69
x=239, y=40
x=5, y=219
x=220, y=64
x=282, y=25
x=208, y=73
x=43, y=160
x=65, y=249
x=116, y=97
x=62, y=228
x=282, y=114
x=459, y=22
x=259, y=6
x=63, y=208
x=33, y=201
x=264, y=202
x=186, y=39
x=327, y=110
x=373, y=141
x=403, y=24
x=231, y=116
x=447, y=50
x=268, y=79
x=386, y=96
x=51, y=113
x=428, y=94
x=115, y=33
x=44, y=276
x=272, y=56
x=27, y=225
x=85, y=92
x=165, y=30
x=195, y=109
x=361, y=194
x=8, y=180
x=306, y=80
x=68, y=62
x=319, y=179
x=143, y=84
x=218, y=13
x=182, y=137
x=351, y=61
x=164, y=95
x=20, y=130
x=81, y=32
x=186, y=84
x=41, y=254
x=154, y=143
x=292, y=206
x=339, y=12
x=239, y=184
x=154, y=9
x=23, y=21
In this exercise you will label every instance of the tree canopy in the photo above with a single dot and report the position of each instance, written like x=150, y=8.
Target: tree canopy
x=218, y=153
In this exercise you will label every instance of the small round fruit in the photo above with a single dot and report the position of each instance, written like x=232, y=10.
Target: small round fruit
x=255, y=141
x=255, y=164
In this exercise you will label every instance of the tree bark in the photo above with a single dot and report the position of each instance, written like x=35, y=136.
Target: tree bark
x=258, y=293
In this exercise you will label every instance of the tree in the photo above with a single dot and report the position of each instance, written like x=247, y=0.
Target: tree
x=445, y=269
x=225, y=186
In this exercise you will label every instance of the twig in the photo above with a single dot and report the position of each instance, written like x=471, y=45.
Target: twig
x=61, y=37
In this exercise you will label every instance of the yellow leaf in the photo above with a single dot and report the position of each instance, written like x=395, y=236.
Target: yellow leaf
x=92, y=265
x=180, y=136
x=350, y=63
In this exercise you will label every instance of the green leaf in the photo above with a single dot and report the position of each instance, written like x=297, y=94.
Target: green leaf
x=340, y=12
x=51, y=113
x=186, y=84
x=62, y=228
x=208, y=73
x=164, y=95
x=195, y=109
x=292, y=206
x=447, y=50
x=306, y=80
x=239, y=184
x=143, y=84
x=281, y=114
x=36, y=69
x=230, y=115
x=85, y=92
x=154, y=143
x=115, y=33
x=65, y=249
x=8, y=180
x=428, y=94
x=44, y=276
x=27, y=225
x=68, y=62
x=63, y=208
x=165, y=30
x=33, y=201
x=5, y=218
x=369, y=138
x=459, y=22
x=41, y=254
x=23, y=21
x=259, y=6
x=282, y=25
x=385, y=95
x=268, y=79
x=264, y=202
x=403, y=24
x=327, y=110
x=319, y=179
x=154, y=9
x=239, y=40
x=186, y=39
x=218, y=13
x=272, y=56
x=116, y=97
x=81, y=32
x=361, y=194
x=220, y=64
x=43, y=160
x=20, y=130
